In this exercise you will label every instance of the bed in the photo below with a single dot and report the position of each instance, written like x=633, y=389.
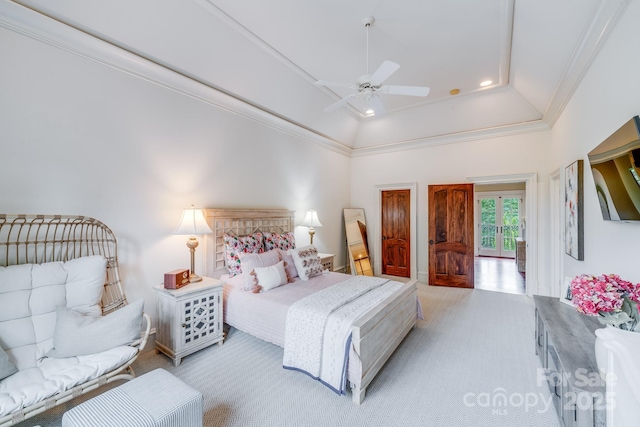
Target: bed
x=374, y=335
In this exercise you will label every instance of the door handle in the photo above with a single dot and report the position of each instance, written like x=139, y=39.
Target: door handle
x=431, y=242
x=384, y=237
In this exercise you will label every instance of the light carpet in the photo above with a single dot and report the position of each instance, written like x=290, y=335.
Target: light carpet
x=471, y=362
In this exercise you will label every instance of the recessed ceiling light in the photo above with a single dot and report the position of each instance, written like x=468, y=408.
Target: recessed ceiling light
x=370, y=111
x=485, y=83
x=454, y=91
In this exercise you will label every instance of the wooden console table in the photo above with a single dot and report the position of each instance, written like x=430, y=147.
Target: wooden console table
x=565, y=342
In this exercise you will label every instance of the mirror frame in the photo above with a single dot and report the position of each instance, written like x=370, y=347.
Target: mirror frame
x=354, y=223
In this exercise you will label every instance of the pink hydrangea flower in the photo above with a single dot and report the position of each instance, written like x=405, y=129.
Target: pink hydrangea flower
x=593, y=295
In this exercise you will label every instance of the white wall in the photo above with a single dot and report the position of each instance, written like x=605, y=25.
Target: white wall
x=608, y=96
x=452, y=164
x=78, y=137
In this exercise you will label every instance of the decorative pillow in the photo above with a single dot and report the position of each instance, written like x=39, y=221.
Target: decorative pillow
x=77, y=335
x=6, y=367
x=267, y=278
x=250, y=261
x=85, y=283
x=307, y=261
x=283, y=241
x=234, y=246
x=289, y=266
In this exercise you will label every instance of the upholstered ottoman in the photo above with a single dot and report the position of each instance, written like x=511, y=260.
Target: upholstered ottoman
x=153, y=399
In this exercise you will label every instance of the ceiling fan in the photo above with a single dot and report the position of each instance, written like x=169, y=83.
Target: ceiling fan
x=369, y=86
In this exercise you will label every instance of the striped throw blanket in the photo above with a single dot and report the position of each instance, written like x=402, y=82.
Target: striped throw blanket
x=318, y=328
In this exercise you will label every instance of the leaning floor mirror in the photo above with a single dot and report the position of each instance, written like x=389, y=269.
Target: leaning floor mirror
x=357, y=246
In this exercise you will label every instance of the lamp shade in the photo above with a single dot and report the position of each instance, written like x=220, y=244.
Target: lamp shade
x=311, y=220
x=193, y=222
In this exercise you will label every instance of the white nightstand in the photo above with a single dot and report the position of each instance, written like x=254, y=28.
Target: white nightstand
x=327, y=261
x=189, y=318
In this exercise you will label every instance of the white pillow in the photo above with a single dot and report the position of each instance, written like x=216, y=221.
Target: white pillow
x=78, y=335
x=250, y=261
x=269, y=277
x=307, y=261
x=85, y=283
x=6, y=367
x=289, y=265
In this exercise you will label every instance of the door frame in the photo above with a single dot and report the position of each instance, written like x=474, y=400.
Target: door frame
x=377, y=230
x=477, y=211
x=530, y=220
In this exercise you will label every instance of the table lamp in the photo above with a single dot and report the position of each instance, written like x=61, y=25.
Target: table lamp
x=311, y=220
x=193, y=223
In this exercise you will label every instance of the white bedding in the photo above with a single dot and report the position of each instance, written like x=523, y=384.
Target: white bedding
x=318, y=330
x=264, y=315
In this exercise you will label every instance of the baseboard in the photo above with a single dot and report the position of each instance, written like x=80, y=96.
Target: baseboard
x=423, y=277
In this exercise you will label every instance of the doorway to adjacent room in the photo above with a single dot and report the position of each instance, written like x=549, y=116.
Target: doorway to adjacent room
x=500, y=235
x=499, y=274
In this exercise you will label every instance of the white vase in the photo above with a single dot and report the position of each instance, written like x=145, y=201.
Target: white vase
x=616, y=355
x=601, y=355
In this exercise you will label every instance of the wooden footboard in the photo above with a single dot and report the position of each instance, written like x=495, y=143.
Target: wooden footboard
x=376, y=335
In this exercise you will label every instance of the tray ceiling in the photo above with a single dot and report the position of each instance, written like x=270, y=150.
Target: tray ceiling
x=269, y=54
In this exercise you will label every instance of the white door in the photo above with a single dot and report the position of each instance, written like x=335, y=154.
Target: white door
x=499, y=223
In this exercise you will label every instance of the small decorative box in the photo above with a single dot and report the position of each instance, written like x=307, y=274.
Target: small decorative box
x=176, y=279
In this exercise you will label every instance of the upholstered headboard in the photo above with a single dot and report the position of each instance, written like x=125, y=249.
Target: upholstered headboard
x=240, y=222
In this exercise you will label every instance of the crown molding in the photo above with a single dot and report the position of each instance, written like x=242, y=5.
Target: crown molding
x=602, y=23
x=37, y=26
x=454, y=138
x=266, y=47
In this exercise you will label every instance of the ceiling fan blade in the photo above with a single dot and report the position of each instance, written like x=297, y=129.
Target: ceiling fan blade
x=334, y=84
x=383, y=72
x=340, y=103
x=405, y=90
x=376, y=105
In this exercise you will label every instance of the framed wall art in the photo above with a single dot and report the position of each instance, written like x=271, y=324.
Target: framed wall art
x=566, y=296
x=574, y=210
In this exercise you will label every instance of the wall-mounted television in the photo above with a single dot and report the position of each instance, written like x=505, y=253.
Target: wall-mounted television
x=615, y=165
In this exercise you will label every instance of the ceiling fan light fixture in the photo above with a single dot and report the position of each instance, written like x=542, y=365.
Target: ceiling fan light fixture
x=369, y=85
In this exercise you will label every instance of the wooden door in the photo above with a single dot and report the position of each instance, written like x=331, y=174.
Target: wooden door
x=396, y=233
x=451, y=235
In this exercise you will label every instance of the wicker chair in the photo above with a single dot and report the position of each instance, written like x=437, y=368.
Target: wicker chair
x=38, y=239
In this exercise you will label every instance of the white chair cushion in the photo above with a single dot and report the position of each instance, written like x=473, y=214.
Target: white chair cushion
x=30, y=386
x=29, y=295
